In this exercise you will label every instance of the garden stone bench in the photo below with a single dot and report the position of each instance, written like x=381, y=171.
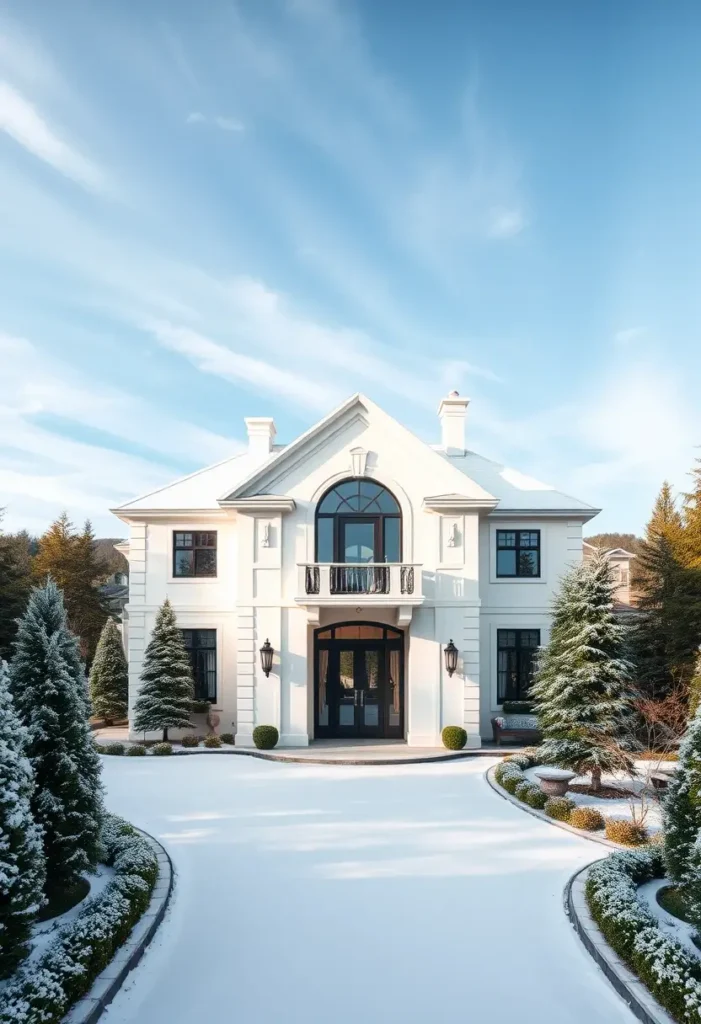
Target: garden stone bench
x=521, y=728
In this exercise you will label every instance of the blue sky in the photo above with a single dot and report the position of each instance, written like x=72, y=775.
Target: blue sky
x=210, y=211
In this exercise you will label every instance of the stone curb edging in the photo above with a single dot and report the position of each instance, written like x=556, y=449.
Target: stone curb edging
x=638, y=997
x=295, y=759
x=90, y=1008
x=489, y=776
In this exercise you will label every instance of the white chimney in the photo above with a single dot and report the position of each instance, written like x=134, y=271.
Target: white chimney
x=452, y=412
x=261, y=434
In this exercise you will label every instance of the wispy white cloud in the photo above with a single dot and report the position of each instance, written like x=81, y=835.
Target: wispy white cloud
x=23, y=122
x=627, y=335
x=503, y=222
x=214, y=358
x=227, y=124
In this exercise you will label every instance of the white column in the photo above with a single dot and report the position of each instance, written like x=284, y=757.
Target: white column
x=136, y=639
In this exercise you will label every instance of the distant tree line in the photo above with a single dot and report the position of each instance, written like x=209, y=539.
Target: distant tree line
x=77, y=562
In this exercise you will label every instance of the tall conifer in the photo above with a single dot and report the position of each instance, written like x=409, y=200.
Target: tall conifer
x=581, y=687
x=50, y=694
x=22, y=866
x=165, y=698
x=109, y=676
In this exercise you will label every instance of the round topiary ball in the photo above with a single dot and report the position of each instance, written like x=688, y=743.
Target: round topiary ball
x=535, y=797
x=625, y=832
x=135, y=751
x=559, y=807
x=265, y=737
x=587, y=818
x=454, y=737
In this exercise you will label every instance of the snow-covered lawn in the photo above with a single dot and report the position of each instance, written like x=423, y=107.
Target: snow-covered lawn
x=611, y=807
x=342, y=893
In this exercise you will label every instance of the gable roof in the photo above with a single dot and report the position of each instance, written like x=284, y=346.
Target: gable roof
x=337, y=419
x=244, y=476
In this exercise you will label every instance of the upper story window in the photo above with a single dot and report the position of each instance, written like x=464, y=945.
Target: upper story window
x=358, y=521
x=518, y=553
x=194, y=554
x=201, y=646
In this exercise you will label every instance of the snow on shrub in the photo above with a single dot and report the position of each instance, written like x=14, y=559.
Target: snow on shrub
x=559, y=807
x=190, y=741
x=672, y=973
x=44, y=991
x=135, y=751
x=625, y=832
x=587, y=818
x=535, y=797
x=212, y=742
x=162, y=749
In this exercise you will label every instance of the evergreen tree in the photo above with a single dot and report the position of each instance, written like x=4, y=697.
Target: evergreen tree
x=109, y=676
x=50, y=693
x=695, y=688
x=691, y=514
x=15, y=584
x=72, y=560
x=581, y=687
x=22, y=867
x=682, y=819
x=167, y=689
x=666, y=639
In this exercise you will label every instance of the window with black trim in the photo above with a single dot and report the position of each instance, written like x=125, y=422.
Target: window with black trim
x=201, y=646
x=516, y=651
x=518, y=553
x=194, y=554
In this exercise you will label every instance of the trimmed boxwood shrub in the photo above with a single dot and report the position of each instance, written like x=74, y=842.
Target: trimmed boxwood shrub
x=212, y=742
x=587, y=818
x=135, y=751
x=112, y=748
x=44, y=990
x=671, y=972
x=162, y=749
x=559, y=807
x=510, y=784
x=625, y=832
x=535, y=797
x=227, y=737
x=522, y=789
x=265, y=737
x=454, y=737
x=522, y=761
x=190, y=741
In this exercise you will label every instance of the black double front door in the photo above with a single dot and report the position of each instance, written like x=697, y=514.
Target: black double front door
x=359, y=689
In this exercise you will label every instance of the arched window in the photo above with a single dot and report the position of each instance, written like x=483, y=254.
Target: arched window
x=358, y=521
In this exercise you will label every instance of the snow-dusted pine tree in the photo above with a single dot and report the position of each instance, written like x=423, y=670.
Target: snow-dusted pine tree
x=109, y=675
x=682, y=809
x=22, y=867
x=582, y=681
x=167, y=691
x=50, y=694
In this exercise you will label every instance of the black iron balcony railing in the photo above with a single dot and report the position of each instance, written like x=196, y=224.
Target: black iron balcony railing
x=392, y=579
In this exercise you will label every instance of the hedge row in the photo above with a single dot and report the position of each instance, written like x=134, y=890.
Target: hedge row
x=45, y=989
x=672, y=973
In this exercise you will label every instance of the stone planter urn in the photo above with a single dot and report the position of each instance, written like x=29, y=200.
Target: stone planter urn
x=555, y=781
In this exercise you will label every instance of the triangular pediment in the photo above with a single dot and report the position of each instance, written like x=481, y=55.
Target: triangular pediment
x=348, y=427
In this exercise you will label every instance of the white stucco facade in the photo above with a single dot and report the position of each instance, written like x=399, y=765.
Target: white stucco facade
x=268, y=584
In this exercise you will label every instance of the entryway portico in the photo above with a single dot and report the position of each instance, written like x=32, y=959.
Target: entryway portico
x=358, y=681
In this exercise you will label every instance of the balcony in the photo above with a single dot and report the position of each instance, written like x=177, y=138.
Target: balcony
x=379, y=583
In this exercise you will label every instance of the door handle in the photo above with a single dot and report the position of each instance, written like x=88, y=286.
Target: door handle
x=362, y=698
x=355, y=697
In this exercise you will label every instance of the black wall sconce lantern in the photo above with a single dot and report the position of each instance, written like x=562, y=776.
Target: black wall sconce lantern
x=451, y=657
x=266, y=657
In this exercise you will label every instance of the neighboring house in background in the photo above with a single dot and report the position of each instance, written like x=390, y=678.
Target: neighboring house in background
x=620, y=562
x=359, y=552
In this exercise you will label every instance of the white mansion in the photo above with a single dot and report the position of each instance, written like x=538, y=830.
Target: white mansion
x=359, y=553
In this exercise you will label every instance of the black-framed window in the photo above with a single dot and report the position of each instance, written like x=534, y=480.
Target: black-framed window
x=516, y=651
x=201, y=646
x=194, y=554
x=518, y=553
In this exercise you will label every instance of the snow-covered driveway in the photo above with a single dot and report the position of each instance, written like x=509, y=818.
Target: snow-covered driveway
x=347, y=894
